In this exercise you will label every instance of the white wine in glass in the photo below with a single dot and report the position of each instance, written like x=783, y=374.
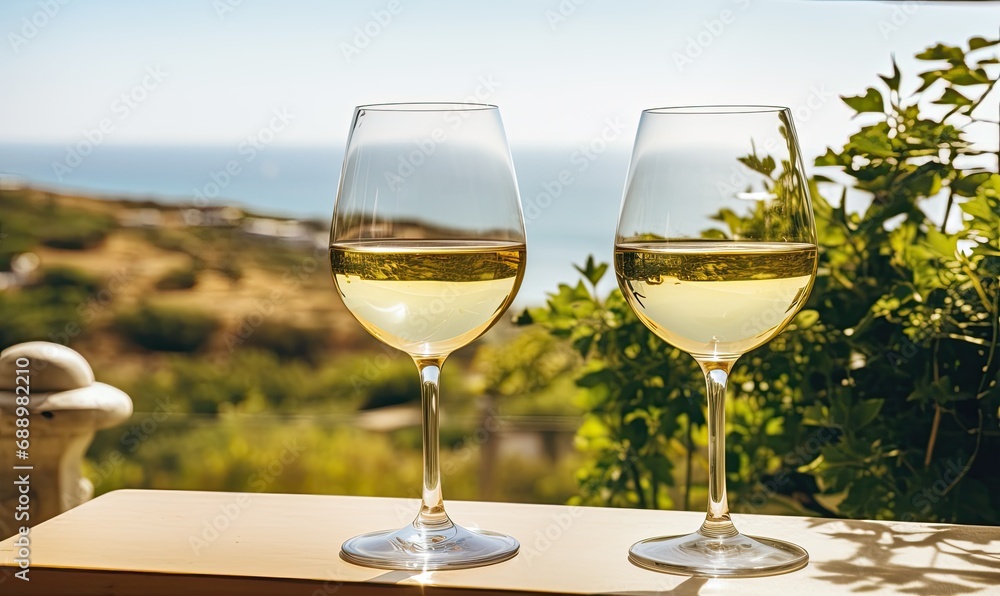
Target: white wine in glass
x=427, y=298
x=716, y=253
x=427, y=252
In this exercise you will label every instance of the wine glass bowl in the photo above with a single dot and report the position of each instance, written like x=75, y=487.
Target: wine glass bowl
x=427, y=251
x=716, y=252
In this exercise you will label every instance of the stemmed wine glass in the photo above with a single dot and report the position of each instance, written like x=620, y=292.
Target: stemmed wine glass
x=716, y=253
x=427, y=250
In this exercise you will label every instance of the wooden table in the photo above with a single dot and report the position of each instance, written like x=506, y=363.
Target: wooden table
x=201, y=543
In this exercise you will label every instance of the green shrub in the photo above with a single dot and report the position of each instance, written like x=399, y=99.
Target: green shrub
x=230, y=269
x=75, y=233
x=251, y=380
x=170, y=240
x=881, y=399
x=167, y=448
x=287, y=340
x=29, y=217
x=167, y=329
x=55, y=307
x=34, y=315
x=183, y=278
x=68, y=278
x=399, y=384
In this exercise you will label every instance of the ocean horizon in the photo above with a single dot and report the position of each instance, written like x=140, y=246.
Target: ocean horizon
x=570, y=197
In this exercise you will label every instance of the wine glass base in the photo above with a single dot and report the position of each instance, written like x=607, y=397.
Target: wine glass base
x=700, y=555
x=423, y=549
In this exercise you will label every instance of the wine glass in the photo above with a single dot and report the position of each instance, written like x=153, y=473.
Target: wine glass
x=427, y=250
x=716, y=253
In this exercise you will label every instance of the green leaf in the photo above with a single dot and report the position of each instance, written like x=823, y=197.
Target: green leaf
x=596, y=378
x=953, y=97
x=871, y=101
x=942, y=52
x=591, y=271
x=961, y=75
x=872, y=142
x=864, y=412
x=832, y=158
x=892, y=81
x=817, y=415
x=967, y=185
x=523, y=318
x=929, y=78
x=806, y=319
x=942, y=245
x=980, y=42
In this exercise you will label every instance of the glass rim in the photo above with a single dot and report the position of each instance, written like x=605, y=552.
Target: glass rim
x=427, y=106
x=715, y=109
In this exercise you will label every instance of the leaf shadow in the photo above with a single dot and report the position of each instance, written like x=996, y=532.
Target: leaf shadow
x=963, y=559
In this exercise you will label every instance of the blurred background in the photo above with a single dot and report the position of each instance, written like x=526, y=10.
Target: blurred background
x=164, y=166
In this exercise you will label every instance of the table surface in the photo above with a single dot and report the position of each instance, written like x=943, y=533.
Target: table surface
x=193, y=543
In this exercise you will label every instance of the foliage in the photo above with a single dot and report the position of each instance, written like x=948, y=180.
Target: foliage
x=67, y=279
x=908, y=308
x=288, y=340
x=235, y=452
x=51, y=308
x=74, y=234
x=640, y=394
x=529, y=374
x=881, y=399
x=256, y=423
x=29, y=218
x=183, y=278
x=249, y=381
x=166, y=329
x=219, y=417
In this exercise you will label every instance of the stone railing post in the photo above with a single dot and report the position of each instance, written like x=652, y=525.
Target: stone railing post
x=66, y=407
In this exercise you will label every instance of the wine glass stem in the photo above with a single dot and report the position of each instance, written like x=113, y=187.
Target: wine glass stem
x=432, y=514
x=717, y=523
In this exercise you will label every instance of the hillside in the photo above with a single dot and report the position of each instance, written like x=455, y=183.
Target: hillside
x=248, y=272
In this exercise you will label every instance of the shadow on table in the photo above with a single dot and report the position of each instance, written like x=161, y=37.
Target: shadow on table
x=689, y=587
x=960, y=562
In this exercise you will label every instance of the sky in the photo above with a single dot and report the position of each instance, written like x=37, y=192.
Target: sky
x=214, y=72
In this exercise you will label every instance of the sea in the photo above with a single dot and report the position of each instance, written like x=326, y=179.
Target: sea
x=570, y=197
